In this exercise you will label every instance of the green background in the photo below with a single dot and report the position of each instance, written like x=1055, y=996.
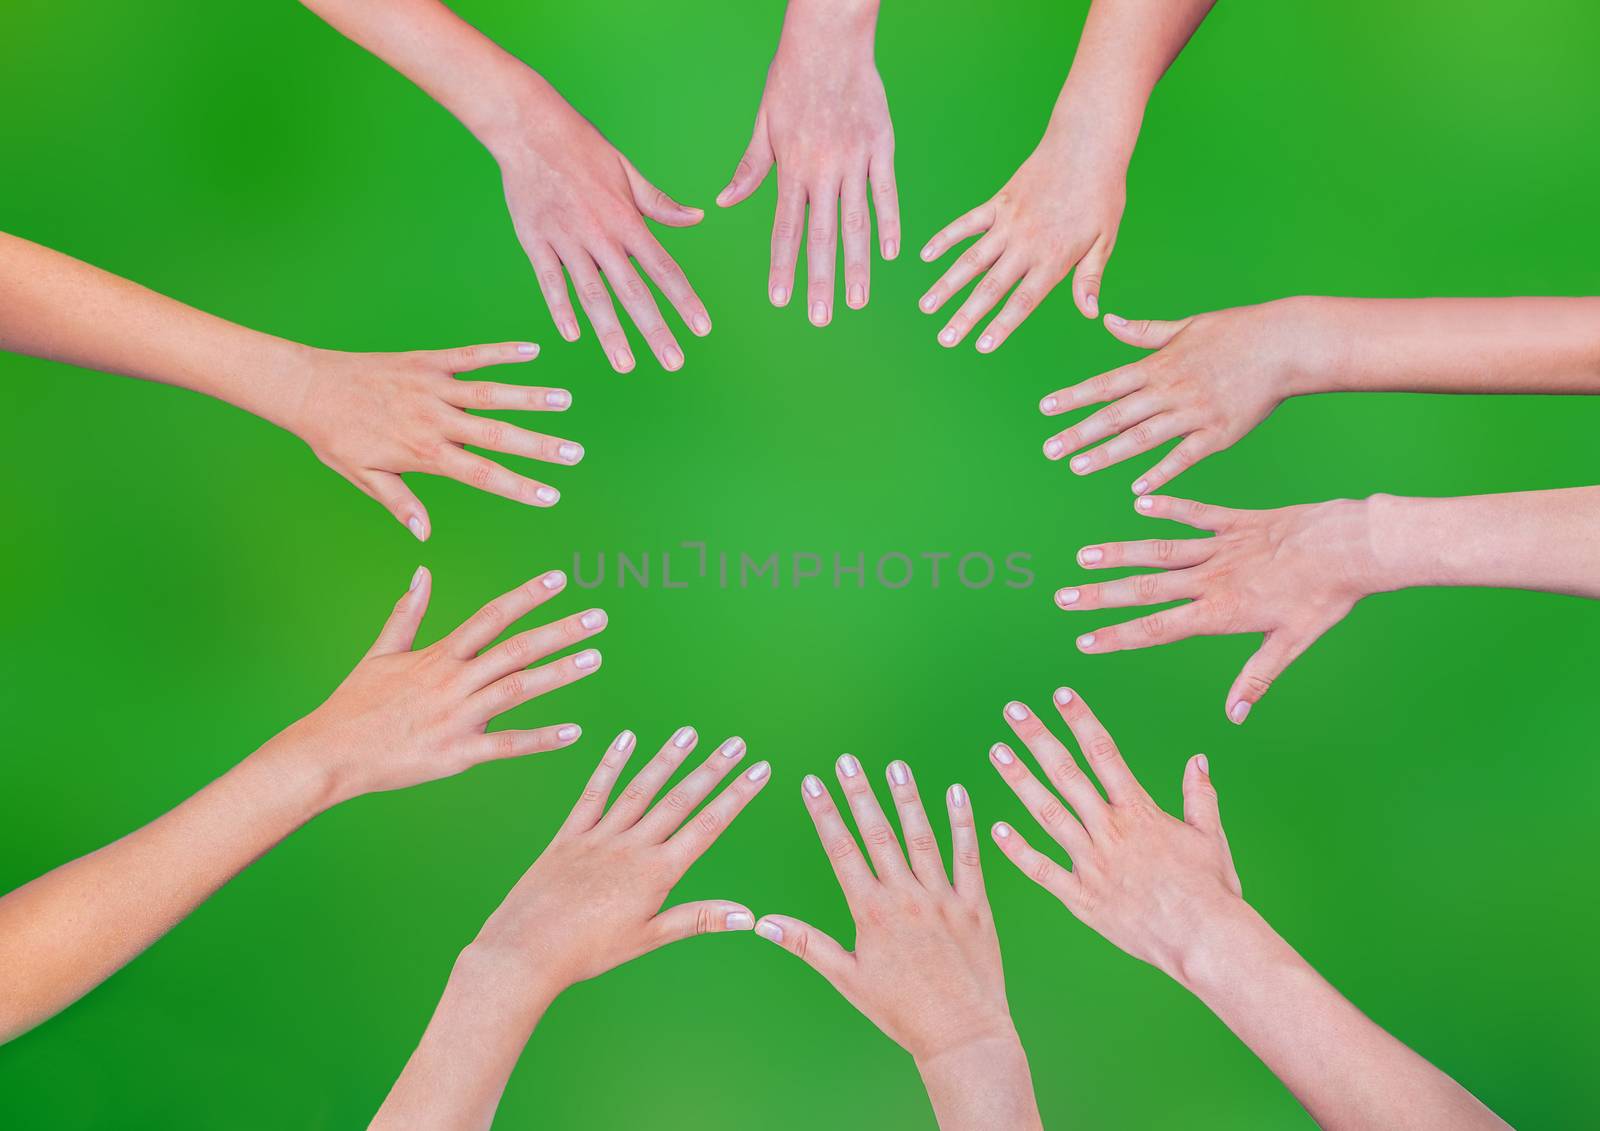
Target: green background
x=1413, y=805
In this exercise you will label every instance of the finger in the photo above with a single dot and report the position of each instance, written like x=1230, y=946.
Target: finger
x=1145, y=589
x=994, y=285
x=1137, y=440
x=703, y=917
x=479, y=630
x=1099, y=389
x=857, y=242
x=591, y=804
x=1201, y=516
x=666, y=274
x=464, y=359
x=965, y=226
x=1121, y=787
x=1165, y=627
x=486, y=475
x=1194, y=448
x=691, y=842
x=682, y=799
x=1125, y=413
x=1152, y=553
x=530, y=647
x=1146, y=333
x=640, y=304
x=1054, y=817
x=396, y=498
x=753, y=166
x=849, y=866
x=822, y=252
x=788, y=221
x=1024, y=299
x=1200, y=797
x=636, y=798
x=498, y=436
x=519, y=398
x=658, y=205
x=1036, y=865
x=596, y=303
x=1278, y=650
x=553, y=286
x=519, y=743
x=883, y=847
x=977, y=258
x=1056, y=761
x=921, y=847
x=399, y=632
x=530, y=683
x=966, y=868
x=816, y=949
x=1087, y=275
x=886, y=200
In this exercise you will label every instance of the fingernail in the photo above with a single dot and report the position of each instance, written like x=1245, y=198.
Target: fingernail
x=739, y=921
x=683, y=738
x=898, y=773
x=1065, y=597
x=947, y=337
x=569, y=331
x=927, y=253
x=812, y=785
x=416, y=580
x=594, y=618
x=1140, y=486
x=927, y=304
x=1205, y=766
x=623, y=360
x=769, y=930
x=1115, y=320
x=527, y=348
x=1001, y=753
x=1063, y=695
x=891, y=248
x=1016, y=711
x=1241, y=711
x=1093, y=303
x=1048, y=404
x=986, y=343
x=1002, y=830
x=586, y=659
x=1089, y=555
x=958, y=797
x=1080, y=464
x=568, y=733
x=415, y=525
x=758, y=771
x=672, y=359
x=555, y=579
x=780, y=295
x=1053, y=448
x=624, y=742
x=572, y=453
x=848, y=766
x=1086, y=642
x=819, y=313
x=732, y=748
x=558, y=398
x=1145, y=503
x=858, y=295
x=547, y=495
x=700, y=324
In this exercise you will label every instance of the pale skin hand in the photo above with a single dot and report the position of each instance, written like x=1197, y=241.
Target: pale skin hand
x=402, y=717
x=926, y=966
x=1061, y=210
x=592, y=901
x=577, y=204
x=1166, y=892
x=1216, y=376
x=1293, y=573
x=824, y=121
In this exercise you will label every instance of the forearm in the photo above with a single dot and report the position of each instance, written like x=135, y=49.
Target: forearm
x=984, y=1086
x=57, y=307
x=1345, y=1070
x=459, y=1070
x=72, y=928
x=1451, y=345
x=1540, y=540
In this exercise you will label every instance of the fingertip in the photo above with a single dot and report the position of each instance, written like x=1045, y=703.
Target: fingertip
x=770, y=929
x=417, y=578
x=738, y=919
x=418, y=526
x=1144, y=504
x=527, y=351
x=889, y=249
x=1000, y=831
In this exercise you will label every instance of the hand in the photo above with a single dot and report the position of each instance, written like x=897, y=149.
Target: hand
x=1214, y=377
x=1060, y=210
x=592, y=900
x=374, y=416
x=1149, y=883
x=405, y=716
x=1291, y=574
x=577, y=203
x=824, y=119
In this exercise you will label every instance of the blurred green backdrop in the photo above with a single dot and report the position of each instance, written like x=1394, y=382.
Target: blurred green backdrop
x=1413, y=805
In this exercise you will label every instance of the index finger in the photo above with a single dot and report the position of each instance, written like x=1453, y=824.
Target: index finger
x=849, y=866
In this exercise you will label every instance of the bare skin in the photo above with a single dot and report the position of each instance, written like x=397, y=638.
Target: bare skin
x=1166, y=892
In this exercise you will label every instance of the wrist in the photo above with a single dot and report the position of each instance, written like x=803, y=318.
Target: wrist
x=850, y=23
x=288, y=775
x=981, y=1082
x=505, y=976
x=1399, y=542
x=1214, y=950
x=1319, y=344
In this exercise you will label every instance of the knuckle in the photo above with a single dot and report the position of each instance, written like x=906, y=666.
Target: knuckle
x=855, y=221
x=1025, y=300
x=702, y=921
x=512, y=687
x=1142, y=434
x=841, y=849
x=969, y=858
x=592, y=292
x=922, y=842
x=878, y=835
x=505, y=743
x=1153, y=626
x=1259, y=685
x=593, y=795
x=1165, y=549
x=482, y=394
x=1100, y=749
x=708, y=822
x=1040, y=870
x=634, y=794
x=1052, y=815
x=481, y=475
x=676, y=800
x=551, y=279
x=1147, y=586
x=802, y=943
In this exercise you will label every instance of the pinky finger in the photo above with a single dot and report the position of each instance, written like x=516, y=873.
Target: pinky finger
x=519, y=743
x=1016, y=310
x=391, y=491
x=1036, y=865
x=1180, y=459
x=591, y=804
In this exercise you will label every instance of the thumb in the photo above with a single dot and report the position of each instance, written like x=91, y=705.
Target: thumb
x=813, y=947
x=400, y=630
x=1146, y=333
x=1087, y=275
x=753, y=166
x=391, y=491
x=1277, y=652
x=704, y=917
x=1200, y=797
x=658, y=205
